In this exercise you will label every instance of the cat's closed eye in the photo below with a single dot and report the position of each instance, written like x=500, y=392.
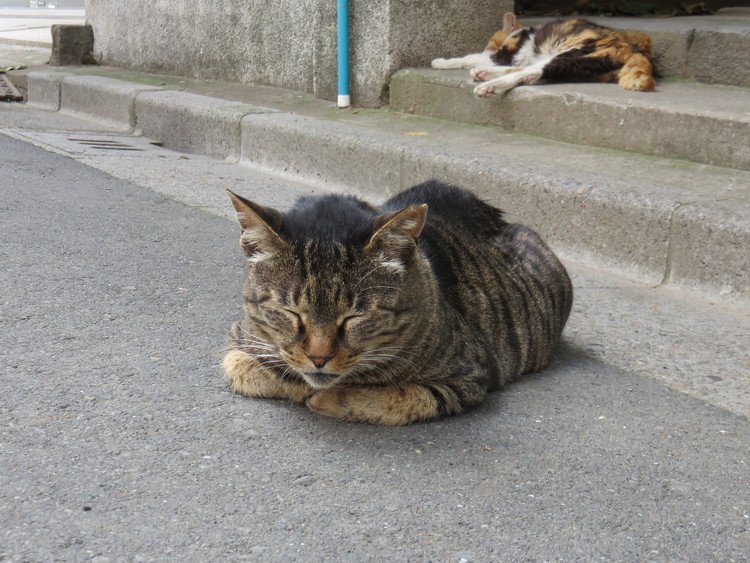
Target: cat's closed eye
x=346, y=320
x=256, y=299
x=395, y=311
x=296, y=319
x=284, y=322
x=349, y=323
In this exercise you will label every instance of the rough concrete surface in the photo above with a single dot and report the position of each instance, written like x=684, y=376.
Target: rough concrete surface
x=120, y=439
x=297, y=51
x=720, y=57
x=691, y=121
x=193, y=123
x=30, y=28
x=72, y=45
x=15, y=57
x=105, y=99
x=43, y=88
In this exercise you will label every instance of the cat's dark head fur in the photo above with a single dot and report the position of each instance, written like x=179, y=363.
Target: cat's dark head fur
x=330, y=285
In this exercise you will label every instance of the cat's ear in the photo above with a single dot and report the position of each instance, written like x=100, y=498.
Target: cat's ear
x=396, y=234
x=509, y=20
x=259, y=225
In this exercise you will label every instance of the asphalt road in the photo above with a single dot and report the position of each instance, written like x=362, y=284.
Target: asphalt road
x=120, y=440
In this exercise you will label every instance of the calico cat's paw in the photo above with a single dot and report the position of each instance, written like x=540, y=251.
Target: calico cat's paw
x=388, y=405
x=638, y=82
x=482, y=73
x=440, y=64
x=478, y=74
x=484, y=91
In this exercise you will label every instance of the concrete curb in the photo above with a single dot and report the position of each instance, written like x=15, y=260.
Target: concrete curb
x=655, y=220
x=696, y=122
x=107, y=100
x=711, y=246
x=193, y=123
x=618, y=224
x=720, y=57
x=43, y=89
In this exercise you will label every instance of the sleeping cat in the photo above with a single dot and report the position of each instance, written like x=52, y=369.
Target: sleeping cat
x=391, y=315
x=566, y=50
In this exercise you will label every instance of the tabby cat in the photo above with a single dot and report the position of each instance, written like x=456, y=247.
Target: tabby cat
x=392, y=315
x=566, y=50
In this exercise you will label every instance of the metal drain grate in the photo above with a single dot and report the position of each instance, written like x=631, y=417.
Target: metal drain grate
x=8, y=91
x=108, y=145
x=100, y=145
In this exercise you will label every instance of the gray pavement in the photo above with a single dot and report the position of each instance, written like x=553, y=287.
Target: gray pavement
x=16, y=57
x=119, y=439
x=25, y=35
x=31, y=27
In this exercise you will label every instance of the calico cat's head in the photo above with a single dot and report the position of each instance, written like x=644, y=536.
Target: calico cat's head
x=510, y=24
x=330, y=289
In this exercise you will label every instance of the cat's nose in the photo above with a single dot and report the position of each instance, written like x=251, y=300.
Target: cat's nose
x=319, y=361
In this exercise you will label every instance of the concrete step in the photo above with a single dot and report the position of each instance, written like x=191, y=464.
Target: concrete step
x=712, y=49
x=685, y=120
x=660, y=221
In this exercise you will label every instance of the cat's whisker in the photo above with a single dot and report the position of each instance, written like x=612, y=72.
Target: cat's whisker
x=259, y=345
x=253, y=337
x=254, y=350
x=247, y=349
x=259, y=348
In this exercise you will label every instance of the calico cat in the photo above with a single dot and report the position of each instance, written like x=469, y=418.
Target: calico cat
x=569, y=50
x=392, y=315
x=566, y=50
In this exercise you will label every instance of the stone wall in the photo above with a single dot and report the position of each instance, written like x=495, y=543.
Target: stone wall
x=288, y=43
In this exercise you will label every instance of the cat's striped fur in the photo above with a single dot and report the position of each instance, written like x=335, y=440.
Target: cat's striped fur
x=396, y=314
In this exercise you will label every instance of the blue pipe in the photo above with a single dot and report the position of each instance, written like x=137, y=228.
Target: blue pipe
x=344, y=100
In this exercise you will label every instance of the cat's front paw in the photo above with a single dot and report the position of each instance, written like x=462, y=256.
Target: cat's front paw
x=440, y=64
x=330, y=402
x=389, y=405
x=478, y=74
x=248, y=378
